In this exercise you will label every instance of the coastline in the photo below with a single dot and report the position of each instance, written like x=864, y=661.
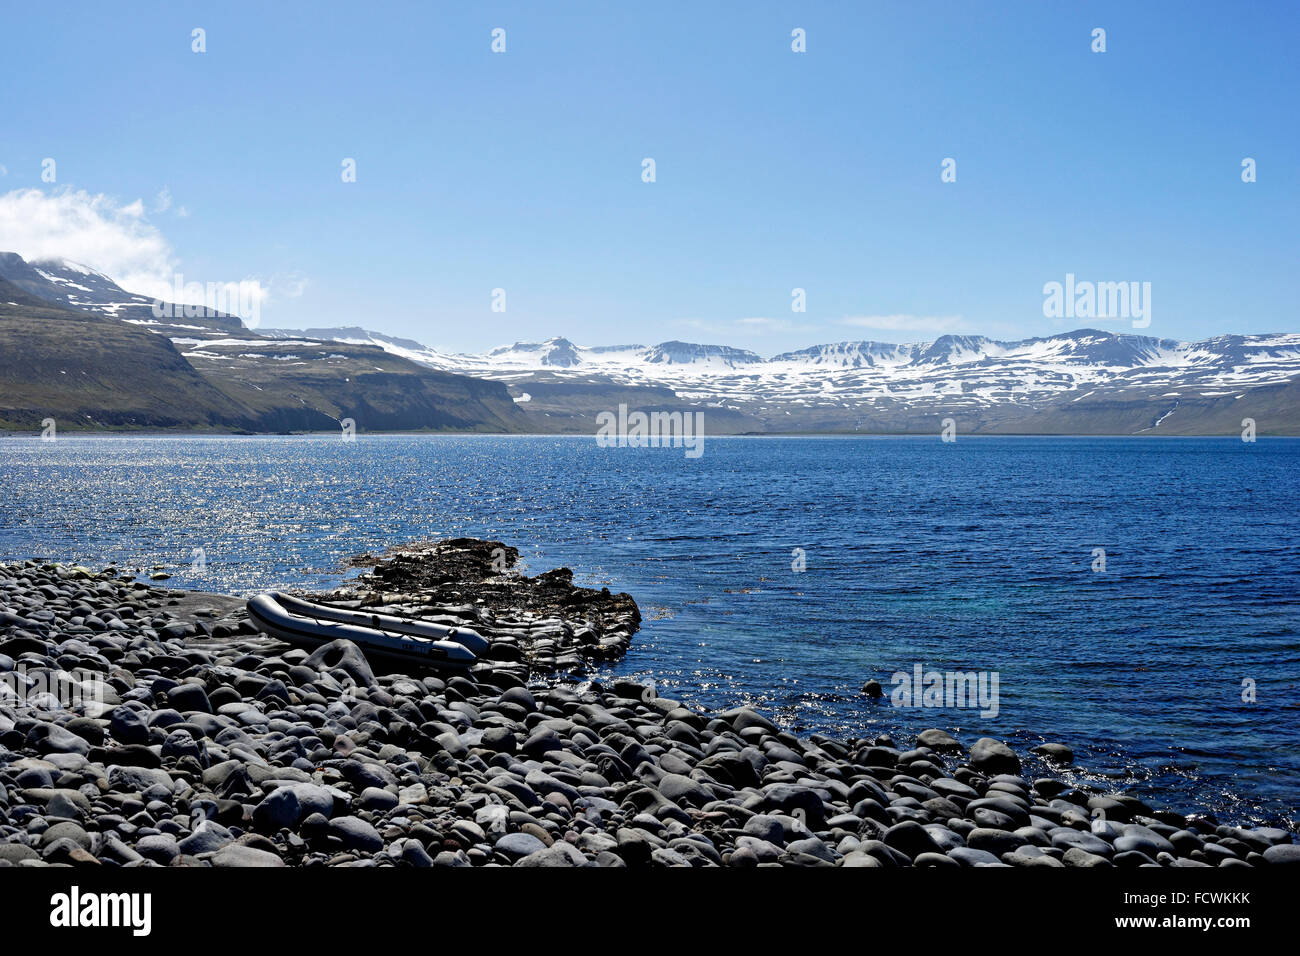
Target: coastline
x=213, y=745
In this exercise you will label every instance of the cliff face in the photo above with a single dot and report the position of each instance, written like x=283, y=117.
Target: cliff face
x=300, y=384
x=90, y=371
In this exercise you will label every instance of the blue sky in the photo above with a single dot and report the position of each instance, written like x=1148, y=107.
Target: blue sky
x=775, y=170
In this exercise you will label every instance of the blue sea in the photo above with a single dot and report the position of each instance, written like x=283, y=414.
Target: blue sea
x=974, y=556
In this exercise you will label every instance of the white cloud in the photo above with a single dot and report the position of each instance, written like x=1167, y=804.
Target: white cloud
x=765, y=325
x=905, y=323
x=4, y=171
x=752, y=325
x=95, y=230
x=290, y=286
x=118, y=240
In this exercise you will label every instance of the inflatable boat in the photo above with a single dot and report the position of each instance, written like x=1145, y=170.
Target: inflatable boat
x=391, y=623
x=383, y=635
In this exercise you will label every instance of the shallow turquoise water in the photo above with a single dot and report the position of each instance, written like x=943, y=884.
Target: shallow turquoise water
x=972, y=556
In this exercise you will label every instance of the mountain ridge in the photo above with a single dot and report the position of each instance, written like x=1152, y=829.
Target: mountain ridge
x=76, y=347
x=76, y=286
x=1085, y=381
x=1152, y=384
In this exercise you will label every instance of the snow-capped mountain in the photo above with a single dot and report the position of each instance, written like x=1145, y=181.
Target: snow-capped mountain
x=1086, y=381
x=850, y=355
x=877, y=385
x=714, y=357
x=67, y=283
x=75, y=286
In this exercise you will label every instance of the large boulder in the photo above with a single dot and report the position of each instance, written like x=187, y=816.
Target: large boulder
x=286, y=805
x=991, y=757
x=940, y=741
x=345, y=656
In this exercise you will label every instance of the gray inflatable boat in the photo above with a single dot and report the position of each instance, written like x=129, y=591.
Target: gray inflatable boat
x=384, y=635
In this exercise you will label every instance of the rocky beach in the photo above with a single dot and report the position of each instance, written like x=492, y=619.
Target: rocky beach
x=141, y=726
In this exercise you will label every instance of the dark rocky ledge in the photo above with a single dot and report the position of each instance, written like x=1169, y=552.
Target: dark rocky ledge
x=545, y=623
